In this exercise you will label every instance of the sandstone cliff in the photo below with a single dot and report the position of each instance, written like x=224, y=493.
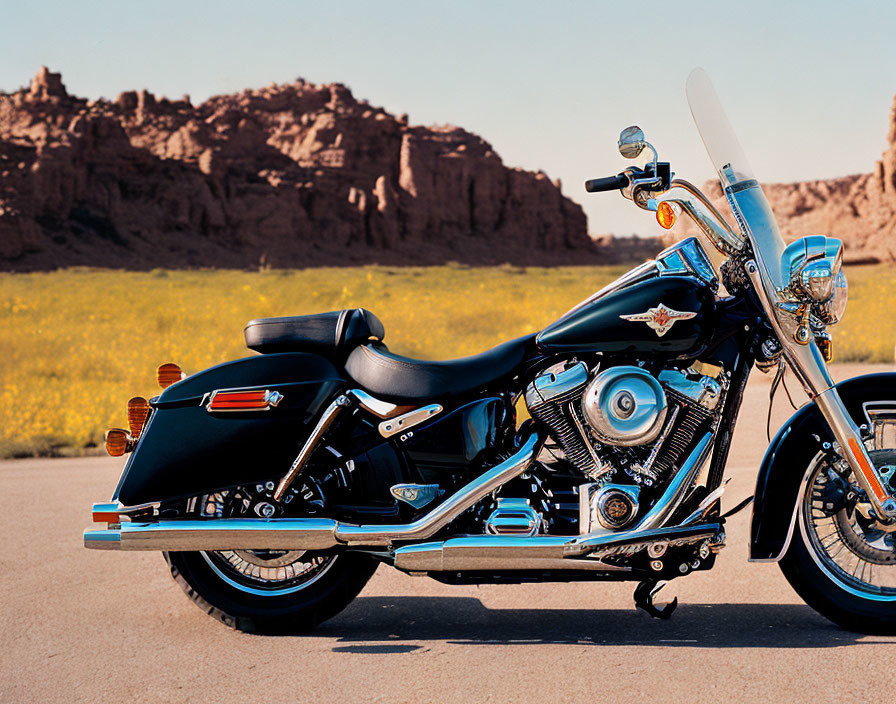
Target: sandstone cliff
x=859, y=209
x=288, y=176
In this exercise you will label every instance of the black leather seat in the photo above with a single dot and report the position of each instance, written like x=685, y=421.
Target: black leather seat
x=392, y=377
x=333, y=334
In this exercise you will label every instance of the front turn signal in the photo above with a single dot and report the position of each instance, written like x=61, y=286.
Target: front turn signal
x=116, y=442
x=138, y=411
x=665, y=215
x=826, y=347
x=169, y=374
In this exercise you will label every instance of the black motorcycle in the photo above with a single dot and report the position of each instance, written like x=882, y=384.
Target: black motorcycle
x=276, y=484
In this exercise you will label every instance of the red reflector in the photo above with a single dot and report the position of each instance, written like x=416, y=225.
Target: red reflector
x=105, y=518
x=254, y=400
x=105, y=513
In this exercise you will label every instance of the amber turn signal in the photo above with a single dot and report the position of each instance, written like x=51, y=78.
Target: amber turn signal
x=826, y=347
x=116, y=442
x=138, y=410
x=665, y=215
x=169, y=374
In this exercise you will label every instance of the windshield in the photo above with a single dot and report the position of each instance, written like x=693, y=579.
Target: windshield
x=751, y=209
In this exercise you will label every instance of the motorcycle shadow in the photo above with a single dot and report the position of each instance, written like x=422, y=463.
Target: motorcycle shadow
x=466, y=621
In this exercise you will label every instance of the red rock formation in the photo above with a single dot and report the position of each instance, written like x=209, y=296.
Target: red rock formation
x=860, y=209
x=289, y=175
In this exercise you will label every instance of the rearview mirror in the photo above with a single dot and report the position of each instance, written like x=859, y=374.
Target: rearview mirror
x=631, y=142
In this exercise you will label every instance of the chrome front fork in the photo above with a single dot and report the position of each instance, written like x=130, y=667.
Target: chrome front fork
x=809, y=367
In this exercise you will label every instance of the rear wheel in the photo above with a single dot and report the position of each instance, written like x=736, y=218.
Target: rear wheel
x=841, y=560
x=271, y=591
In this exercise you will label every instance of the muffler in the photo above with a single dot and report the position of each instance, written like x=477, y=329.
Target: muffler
x=217, y=534
x=496, y=552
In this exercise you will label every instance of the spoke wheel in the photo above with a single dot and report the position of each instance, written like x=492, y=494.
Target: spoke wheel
x=842, y=561
x=268, y=572
x=271, y=591
x=850, y=546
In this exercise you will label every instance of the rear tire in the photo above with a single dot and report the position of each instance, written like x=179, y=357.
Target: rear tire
x=294, y=609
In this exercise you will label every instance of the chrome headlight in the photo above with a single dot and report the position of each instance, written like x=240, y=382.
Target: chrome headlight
x=817, y=280
x=832, y=310
x=812, y=265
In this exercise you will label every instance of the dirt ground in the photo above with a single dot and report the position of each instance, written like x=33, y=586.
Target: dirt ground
x=87, y=626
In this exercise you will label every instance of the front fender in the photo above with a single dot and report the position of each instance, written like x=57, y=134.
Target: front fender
x=786, y=463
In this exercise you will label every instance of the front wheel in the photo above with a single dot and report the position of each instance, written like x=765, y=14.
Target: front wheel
x=842, y=562
x=266, y=591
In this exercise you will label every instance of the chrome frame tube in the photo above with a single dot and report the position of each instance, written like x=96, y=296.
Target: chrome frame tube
x=326, y=420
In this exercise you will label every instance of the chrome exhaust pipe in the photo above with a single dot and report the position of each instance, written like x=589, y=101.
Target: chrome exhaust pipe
x=678, y=487
x=217, y=534
x=301, y=533
x=448, y=510
x=496, y=552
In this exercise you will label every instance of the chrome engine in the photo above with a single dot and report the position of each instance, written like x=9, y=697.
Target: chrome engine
x=624, y=428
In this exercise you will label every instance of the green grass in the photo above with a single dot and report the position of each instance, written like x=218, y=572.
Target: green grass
x=76, y=344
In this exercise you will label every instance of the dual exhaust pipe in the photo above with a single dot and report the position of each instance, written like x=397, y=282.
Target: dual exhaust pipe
x=298, y=533
x=481, y=552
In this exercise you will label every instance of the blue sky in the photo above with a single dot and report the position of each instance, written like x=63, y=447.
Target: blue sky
x=808, y=85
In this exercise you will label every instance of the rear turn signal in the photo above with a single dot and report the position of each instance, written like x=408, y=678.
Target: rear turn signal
x=169, y=374
x=116, y=442
x=138, y=410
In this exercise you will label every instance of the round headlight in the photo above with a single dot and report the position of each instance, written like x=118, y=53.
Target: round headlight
x=812, y=264
x=817, y=279
x=833, y=309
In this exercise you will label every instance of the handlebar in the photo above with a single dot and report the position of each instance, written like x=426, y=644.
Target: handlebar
x=608, y=183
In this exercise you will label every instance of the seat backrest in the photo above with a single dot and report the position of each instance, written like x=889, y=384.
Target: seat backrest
x=332, y=334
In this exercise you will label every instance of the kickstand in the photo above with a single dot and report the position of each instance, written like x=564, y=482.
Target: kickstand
x=644, y=594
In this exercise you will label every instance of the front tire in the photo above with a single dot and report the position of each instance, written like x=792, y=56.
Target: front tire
x=843, y=567
x=270, y=599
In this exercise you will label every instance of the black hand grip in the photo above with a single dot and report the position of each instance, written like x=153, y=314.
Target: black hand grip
x=609, y=183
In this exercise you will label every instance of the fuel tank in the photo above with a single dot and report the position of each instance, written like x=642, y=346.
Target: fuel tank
x=660, y=315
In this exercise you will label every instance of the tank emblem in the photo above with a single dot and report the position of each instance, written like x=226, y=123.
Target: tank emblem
x=659, y=319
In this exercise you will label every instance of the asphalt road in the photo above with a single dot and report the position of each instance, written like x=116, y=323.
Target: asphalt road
x=90, y=626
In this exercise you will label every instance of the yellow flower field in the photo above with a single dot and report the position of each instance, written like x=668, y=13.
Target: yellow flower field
x=76, y=344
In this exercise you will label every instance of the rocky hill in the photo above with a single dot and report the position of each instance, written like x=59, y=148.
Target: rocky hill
x=287, y=176
x=859, y=209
